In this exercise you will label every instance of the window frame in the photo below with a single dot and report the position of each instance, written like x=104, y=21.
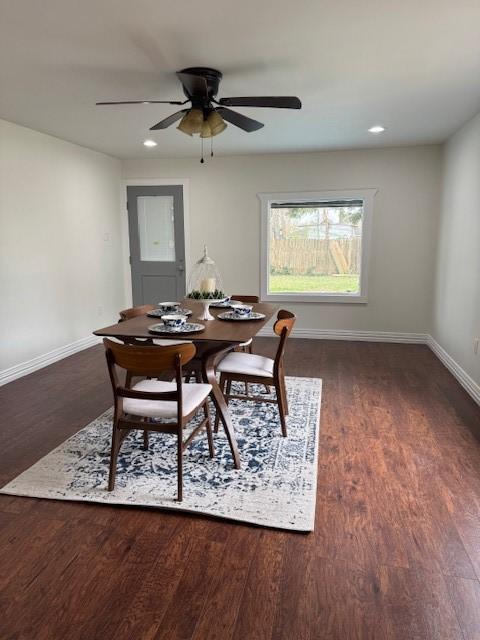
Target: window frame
x=266, y=199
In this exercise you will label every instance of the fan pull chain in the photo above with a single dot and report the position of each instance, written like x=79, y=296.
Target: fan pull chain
x=202, y=160
x=211, y=147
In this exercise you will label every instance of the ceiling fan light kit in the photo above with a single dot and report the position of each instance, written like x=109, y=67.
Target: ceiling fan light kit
x=207, y=115
x=191, y=122
x=216, y=123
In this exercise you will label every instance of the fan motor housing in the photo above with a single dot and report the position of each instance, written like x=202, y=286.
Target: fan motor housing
x=212, y=78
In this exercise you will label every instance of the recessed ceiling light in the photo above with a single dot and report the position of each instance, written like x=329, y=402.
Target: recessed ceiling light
x=150, y=143
x=377, y=129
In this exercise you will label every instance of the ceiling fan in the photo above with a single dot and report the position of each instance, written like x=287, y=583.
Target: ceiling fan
x=206, y=115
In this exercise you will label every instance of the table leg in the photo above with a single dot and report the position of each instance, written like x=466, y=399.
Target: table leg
x=209, y=358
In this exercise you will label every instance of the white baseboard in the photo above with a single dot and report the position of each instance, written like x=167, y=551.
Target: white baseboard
x=24, y=368
x=343, y=334
x=467, y=382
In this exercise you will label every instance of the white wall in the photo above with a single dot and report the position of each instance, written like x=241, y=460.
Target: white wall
x=57, y=202
x=225, y=213
x=456, y=310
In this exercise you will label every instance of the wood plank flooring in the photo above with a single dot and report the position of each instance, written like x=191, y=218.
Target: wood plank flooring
x=395, y=554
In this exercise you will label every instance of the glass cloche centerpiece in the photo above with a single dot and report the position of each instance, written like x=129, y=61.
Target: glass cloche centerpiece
x=205, y=284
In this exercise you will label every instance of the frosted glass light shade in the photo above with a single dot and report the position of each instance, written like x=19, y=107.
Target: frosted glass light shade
x=191, y=122
x=216, y=123
x=206, y=132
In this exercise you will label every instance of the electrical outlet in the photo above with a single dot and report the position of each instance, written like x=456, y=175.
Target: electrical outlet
x=476, y=345
x=106, y=237
x=100, y=310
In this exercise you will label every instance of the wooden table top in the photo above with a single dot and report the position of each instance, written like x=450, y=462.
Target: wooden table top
x=235, y=332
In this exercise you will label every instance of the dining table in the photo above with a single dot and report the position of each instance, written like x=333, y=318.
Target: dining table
x=213, y=342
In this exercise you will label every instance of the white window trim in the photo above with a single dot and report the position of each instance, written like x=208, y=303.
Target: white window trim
x=266, y=199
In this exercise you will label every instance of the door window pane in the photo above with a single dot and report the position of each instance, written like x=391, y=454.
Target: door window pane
x=156, y=228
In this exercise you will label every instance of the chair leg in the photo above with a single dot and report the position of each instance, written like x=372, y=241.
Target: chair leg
x=221, y=384
x=145, y=440
x=281, y=407
x=179, y=467
x=198, y=377
x=206, y=411
x=188, y=377
x=113, y=457
x=285, y=397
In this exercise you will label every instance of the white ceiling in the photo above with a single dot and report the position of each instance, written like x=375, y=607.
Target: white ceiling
x=413, y=66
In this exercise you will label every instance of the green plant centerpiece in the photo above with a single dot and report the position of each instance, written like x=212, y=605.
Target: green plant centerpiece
x=196, y=294
x=205, y=284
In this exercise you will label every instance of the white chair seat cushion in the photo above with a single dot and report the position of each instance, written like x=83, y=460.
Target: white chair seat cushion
x=246, y=364
x=193, y=396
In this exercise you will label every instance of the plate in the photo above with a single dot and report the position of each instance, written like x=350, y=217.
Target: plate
x=158, y=313
x=223, y=305
x=188, y=327
x=230, y=315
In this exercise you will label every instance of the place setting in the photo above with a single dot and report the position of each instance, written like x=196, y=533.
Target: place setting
x=165, y=308
x=175, y=323
x=240, y=312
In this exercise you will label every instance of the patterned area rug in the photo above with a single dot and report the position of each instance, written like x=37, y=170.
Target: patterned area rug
x=275, y=487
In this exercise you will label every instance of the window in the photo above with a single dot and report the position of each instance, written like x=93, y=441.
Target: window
x=315, y=245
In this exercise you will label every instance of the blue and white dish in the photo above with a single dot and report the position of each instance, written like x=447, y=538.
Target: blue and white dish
x=169, y=307
x=174, y=320
x=241, y=310
x=221, y=304
x=231, y=315
x=225, y=304
x=158, y=313
x=188, y=327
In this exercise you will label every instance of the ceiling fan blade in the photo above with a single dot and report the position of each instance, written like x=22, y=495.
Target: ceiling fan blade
x=163, y=124
x=239, y=120
x=277, y=102
x=143, y=102
x=194, y=85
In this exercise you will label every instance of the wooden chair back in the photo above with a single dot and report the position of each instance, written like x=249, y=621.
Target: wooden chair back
x=282, y=328
x=147, y=361
x=247, y=299
x=133, y=312
x=285, y=320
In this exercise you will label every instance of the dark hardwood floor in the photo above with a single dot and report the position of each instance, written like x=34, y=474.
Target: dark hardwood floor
x=395, y=554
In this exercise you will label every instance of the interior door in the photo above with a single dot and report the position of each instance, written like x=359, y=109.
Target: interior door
x=157, y=243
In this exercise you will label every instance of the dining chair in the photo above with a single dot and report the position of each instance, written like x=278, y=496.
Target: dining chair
x=250, y=368
x=145, y=405
x=246, y=346
x=194, y=369
x=134, y=312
